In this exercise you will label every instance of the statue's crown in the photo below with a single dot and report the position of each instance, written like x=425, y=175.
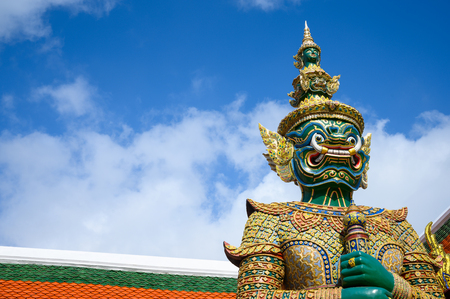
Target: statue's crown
x=308, y=41
x=312, y=96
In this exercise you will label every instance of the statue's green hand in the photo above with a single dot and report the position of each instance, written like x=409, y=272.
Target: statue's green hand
x=367, y=272
x=365, y=293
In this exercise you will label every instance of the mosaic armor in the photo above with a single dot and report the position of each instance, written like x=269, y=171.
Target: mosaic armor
x=292, y=250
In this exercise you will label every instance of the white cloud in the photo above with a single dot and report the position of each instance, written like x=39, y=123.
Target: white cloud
x=87, y=191
x=7, y=101
x=266, y=5
x=23, y=19
x=70, y=99
x=7, y=105
x=411, y=172
x=201, y=85
x=166, y=191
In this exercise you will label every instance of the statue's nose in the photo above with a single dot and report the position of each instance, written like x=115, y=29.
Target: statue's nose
x=332, y=130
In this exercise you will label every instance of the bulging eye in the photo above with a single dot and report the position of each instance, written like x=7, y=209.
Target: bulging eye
x=352, y=140
x=318, y=138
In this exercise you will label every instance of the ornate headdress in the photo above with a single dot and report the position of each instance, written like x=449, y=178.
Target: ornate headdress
x=308, y=41
x=312, y=96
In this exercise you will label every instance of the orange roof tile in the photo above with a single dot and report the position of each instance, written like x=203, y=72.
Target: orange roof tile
x=28, y=289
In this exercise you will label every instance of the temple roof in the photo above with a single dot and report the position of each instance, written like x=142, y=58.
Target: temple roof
x=37, y=273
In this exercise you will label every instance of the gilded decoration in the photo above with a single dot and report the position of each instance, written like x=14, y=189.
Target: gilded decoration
x=309, y=243
x=438, y=253
x=324, y=245
x=304, y=266
x=391, y=256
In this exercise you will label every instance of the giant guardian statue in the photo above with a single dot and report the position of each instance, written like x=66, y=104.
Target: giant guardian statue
x=325, y=246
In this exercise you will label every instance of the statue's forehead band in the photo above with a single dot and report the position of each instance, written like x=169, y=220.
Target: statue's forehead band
x=327, y=116
x=293, y=119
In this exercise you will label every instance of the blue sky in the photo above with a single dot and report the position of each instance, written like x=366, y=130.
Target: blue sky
x=131, y=126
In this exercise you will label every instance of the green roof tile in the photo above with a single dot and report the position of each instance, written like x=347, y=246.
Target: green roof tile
x=42, y=273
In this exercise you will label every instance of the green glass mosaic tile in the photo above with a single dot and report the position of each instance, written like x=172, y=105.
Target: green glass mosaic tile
x=443, y=231
x=28, y=272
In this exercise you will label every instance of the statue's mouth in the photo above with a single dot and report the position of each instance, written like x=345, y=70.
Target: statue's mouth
x=335, y=152
x=316, y=158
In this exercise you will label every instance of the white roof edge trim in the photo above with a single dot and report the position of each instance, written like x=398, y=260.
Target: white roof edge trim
x=112, y=261
x=440, y=220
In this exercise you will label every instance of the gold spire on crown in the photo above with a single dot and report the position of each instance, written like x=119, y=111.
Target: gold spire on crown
x=308, y=41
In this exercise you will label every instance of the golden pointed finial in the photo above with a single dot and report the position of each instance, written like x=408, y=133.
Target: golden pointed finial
x=438, y=253
x=307, y=34
x=308, y=41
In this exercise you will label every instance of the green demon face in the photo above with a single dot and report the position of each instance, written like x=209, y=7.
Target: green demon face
x=328, y=151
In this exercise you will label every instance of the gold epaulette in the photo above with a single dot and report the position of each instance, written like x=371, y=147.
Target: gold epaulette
x=237, y=254
x=274, y=208
x=421, y=257
x=397, y=215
